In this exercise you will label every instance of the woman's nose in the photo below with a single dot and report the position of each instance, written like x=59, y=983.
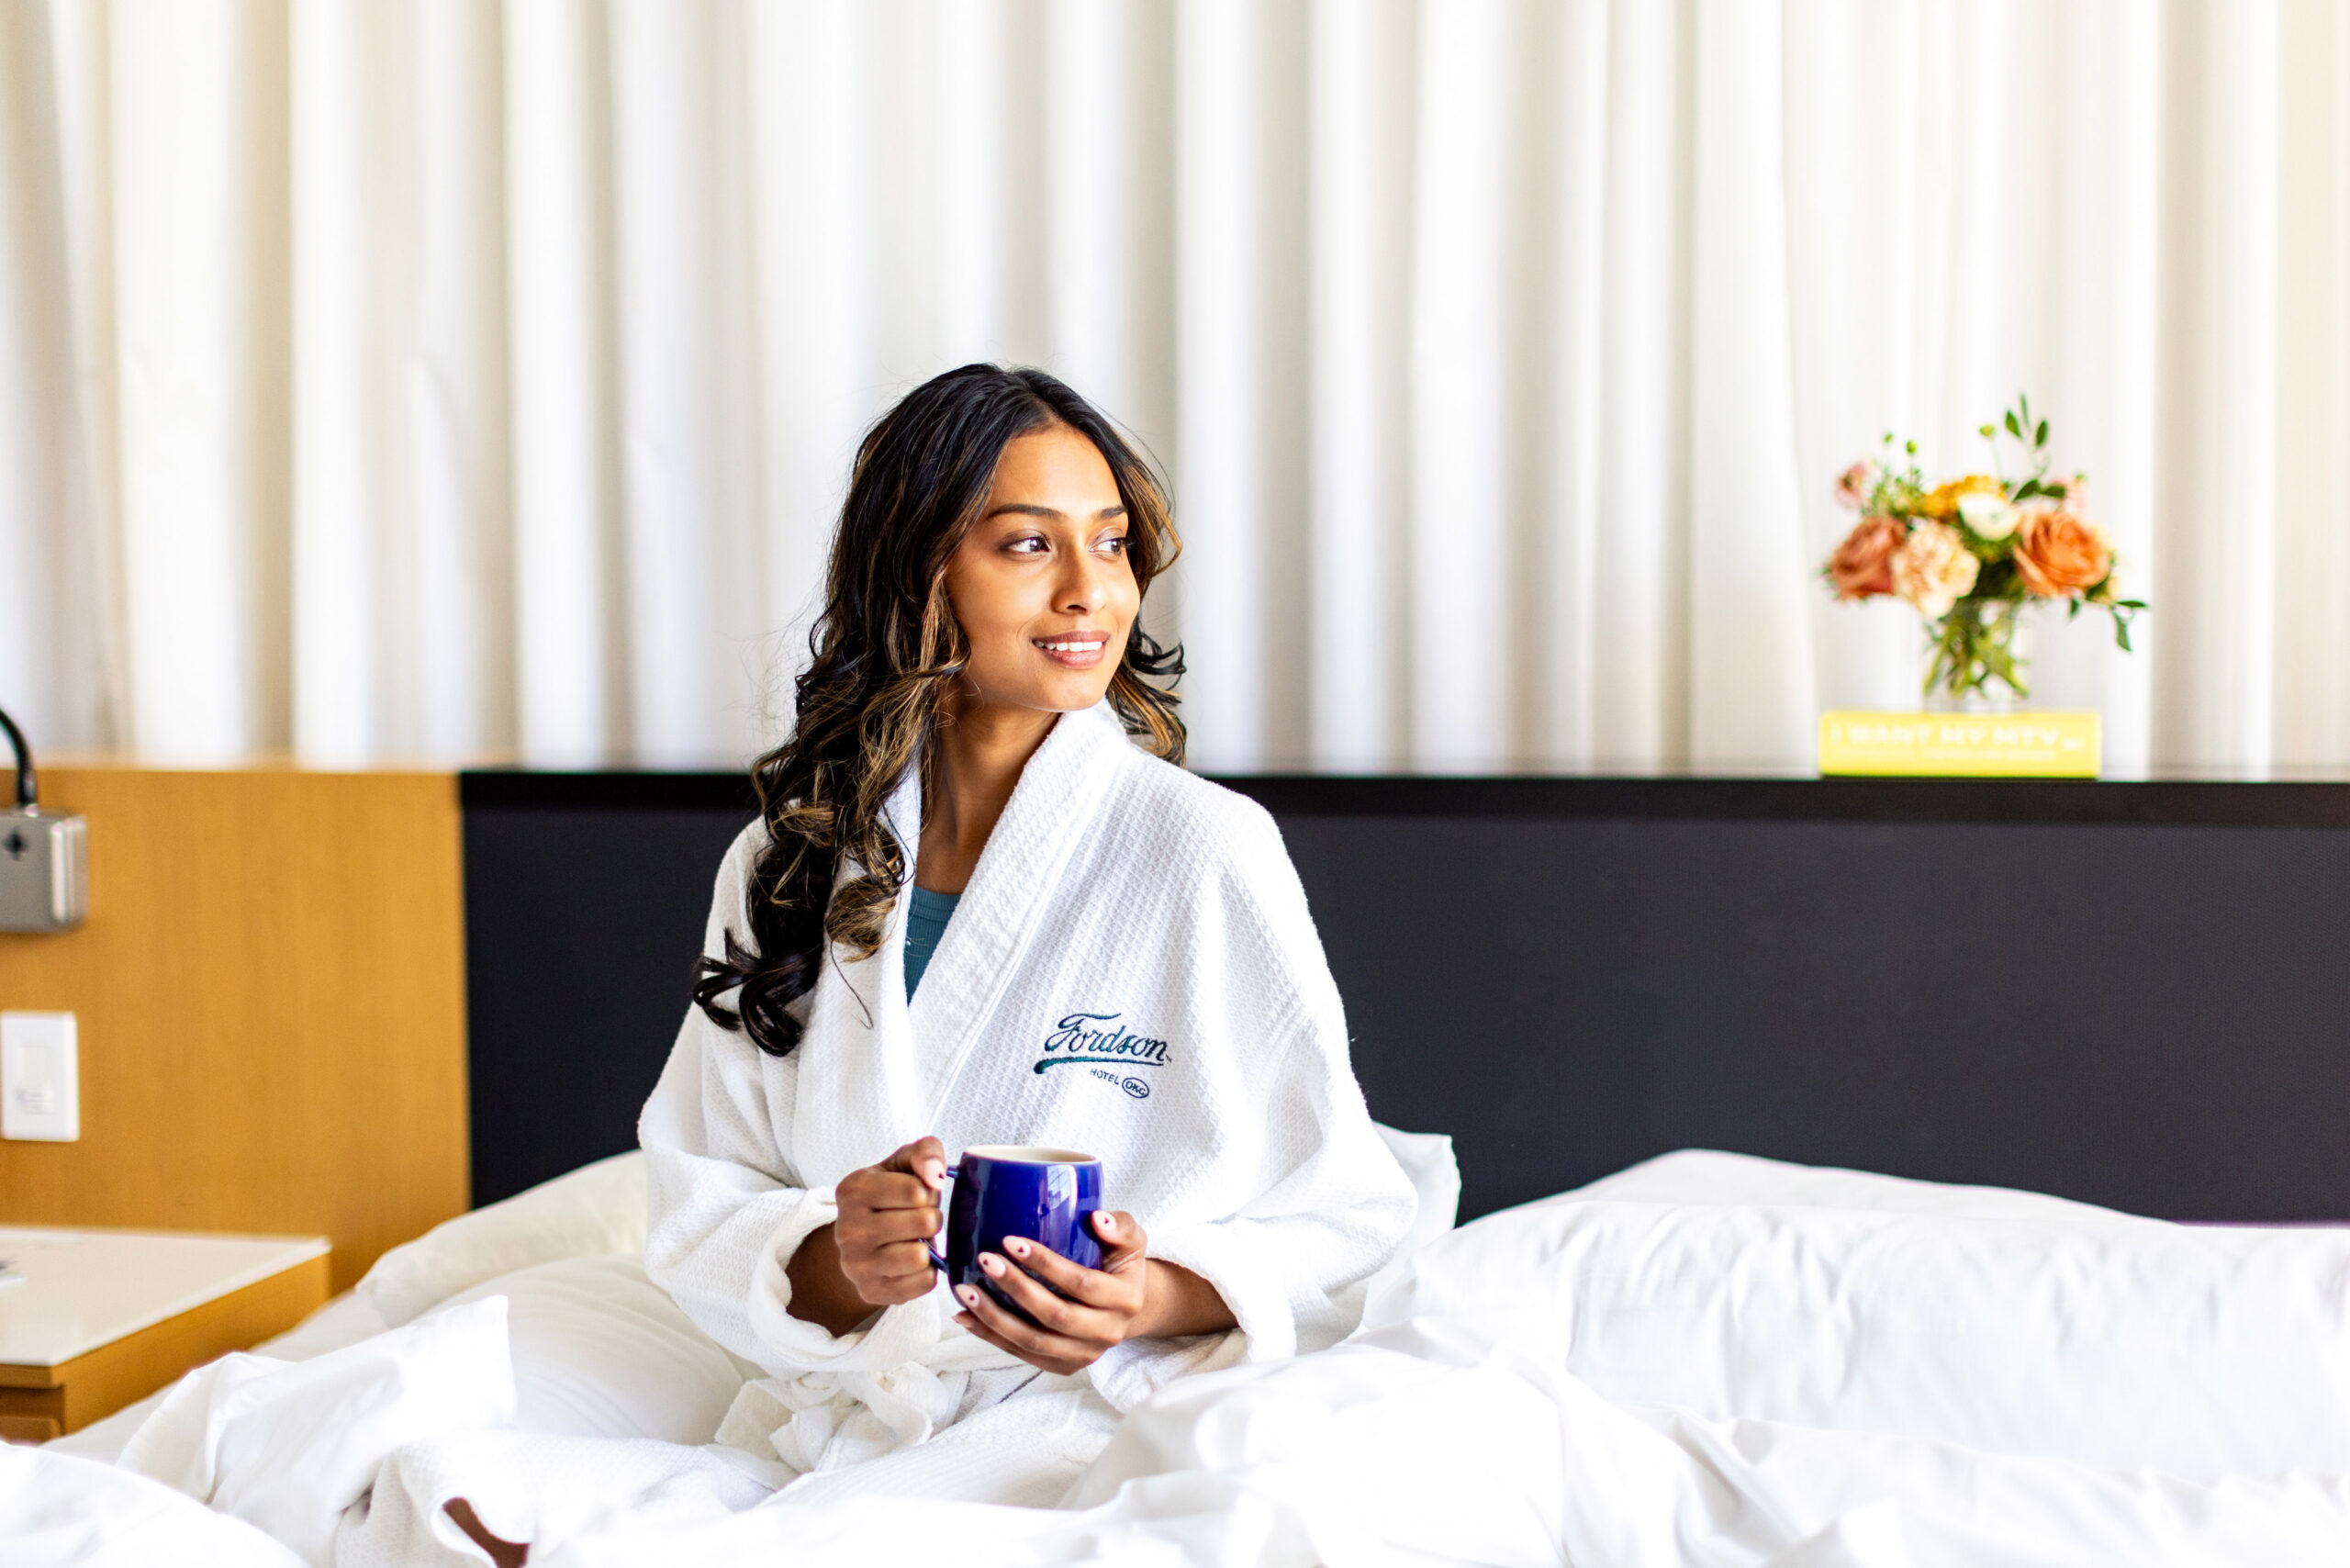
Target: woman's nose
x=1085, y=591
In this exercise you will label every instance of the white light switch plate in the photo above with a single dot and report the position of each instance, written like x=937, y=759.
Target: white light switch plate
x=40, y=1078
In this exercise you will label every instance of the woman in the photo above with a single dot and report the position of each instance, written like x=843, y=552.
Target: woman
x=978, y=865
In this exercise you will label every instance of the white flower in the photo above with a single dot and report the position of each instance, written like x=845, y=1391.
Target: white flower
x=1932, y=570
x=1987, y=517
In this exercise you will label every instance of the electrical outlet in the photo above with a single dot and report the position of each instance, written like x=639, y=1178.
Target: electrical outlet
x=41, y=1077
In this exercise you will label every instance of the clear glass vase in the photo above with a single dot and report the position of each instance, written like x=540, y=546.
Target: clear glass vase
x=1977, y=657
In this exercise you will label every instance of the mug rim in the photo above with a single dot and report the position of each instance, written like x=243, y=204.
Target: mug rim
x=1027, y=1153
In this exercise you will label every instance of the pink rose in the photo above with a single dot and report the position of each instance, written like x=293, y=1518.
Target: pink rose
x=1861, y=567
x=1854, y=484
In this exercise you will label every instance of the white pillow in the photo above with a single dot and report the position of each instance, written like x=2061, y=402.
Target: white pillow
x=1710, y=1176
x=595, y=1211
x=601, y=1351
x=1427, y=1159
x=2200, y=1352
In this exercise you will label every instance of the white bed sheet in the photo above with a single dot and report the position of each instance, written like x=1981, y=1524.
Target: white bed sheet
x=1417, y=1446
x=1421, y=1440
x=344, y=1320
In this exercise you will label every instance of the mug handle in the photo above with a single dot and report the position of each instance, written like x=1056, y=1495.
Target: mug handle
x=937, y=1258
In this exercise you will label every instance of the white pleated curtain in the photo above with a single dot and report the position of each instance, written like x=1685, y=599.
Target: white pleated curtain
x=435, y=379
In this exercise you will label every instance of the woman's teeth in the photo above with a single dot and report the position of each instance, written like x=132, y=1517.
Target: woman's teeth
x=1071, y=647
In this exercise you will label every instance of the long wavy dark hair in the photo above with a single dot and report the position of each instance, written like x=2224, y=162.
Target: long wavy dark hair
x=885, y=652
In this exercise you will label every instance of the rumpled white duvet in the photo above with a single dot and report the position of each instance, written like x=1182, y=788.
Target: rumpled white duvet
x=1707, y=1359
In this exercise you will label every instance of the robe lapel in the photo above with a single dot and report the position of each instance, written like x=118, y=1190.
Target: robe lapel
x=875, y=1074
x=861, y=1092
x=1018, y=874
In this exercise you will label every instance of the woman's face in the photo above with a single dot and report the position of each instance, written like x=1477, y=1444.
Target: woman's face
x=1041, y=585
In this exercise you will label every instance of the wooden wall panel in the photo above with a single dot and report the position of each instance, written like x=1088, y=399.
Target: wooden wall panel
x=271, y=995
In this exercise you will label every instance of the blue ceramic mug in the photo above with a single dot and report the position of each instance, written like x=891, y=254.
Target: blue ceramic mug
x=1048, y=1195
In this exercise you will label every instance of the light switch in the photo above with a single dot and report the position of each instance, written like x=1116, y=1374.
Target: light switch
x=40, y=1078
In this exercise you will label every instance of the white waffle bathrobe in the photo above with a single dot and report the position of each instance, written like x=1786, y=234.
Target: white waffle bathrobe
x=1132, y=972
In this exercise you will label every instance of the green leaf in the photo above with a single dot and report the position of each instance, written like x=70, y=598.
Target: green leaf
x=2029, y=488
x=2121, y=635
x=1985, y=432
x=2039, y=437
x=2014, y=429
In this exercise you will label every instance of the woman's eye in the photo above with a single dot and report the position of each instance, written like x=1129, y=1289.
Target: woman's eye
x=1114, y=545
x=1028, y=544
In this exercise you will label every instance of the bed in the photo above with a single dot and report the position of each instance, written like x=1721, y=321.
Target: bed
x=1636, y=1352
x=1709, y=1359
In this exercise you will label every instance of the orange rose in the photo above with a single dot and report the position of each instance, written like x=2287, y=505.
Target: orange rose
x=2059, y=554
x=1862, y=565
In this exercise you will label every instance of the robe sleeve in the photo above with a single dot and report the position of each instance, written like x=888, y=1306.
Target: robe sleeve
x=1292, y=1262
x=726, y=1208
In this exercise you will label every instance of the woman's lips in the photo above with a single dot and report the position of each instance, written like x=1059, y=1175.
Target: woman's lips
x=1073, y=650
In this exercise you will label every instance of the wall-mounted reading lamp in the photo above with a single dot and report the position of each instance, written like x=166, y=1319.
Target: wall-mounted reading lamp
x=44, y=859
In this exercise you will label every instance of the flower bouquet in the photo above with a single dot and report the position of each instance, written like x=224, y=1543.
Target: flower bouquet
x=1969, y=554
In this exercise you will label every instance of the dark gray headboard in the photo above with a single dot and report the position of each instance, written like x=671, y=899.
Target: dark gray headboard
x=2132, y=994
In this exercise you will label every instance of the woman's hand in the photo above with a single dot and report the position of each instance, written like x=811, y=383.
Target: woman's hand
x=888, y=1213
x=1129, y=1297
x=874, y=1254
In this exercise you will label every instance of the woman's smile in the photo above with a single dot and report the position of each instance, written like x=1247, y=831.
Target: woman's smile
x=1082, y=649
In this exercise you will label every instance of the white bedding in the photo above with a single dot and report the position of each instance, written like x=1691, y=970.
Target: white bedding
x=2197, y=1353
x=346, y=1320
x=1459, y=1425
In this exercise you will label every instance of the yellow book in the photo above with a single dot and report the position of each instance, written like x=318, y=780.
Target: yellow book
x=1963, y=746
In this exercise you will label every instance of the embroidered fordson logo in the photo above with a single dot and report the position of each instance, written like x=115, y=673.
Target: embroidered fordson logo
x=1102, y=1038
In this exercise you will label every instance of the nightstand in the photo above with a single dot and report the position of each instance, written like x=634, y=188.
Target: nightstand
x=93, y=1319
